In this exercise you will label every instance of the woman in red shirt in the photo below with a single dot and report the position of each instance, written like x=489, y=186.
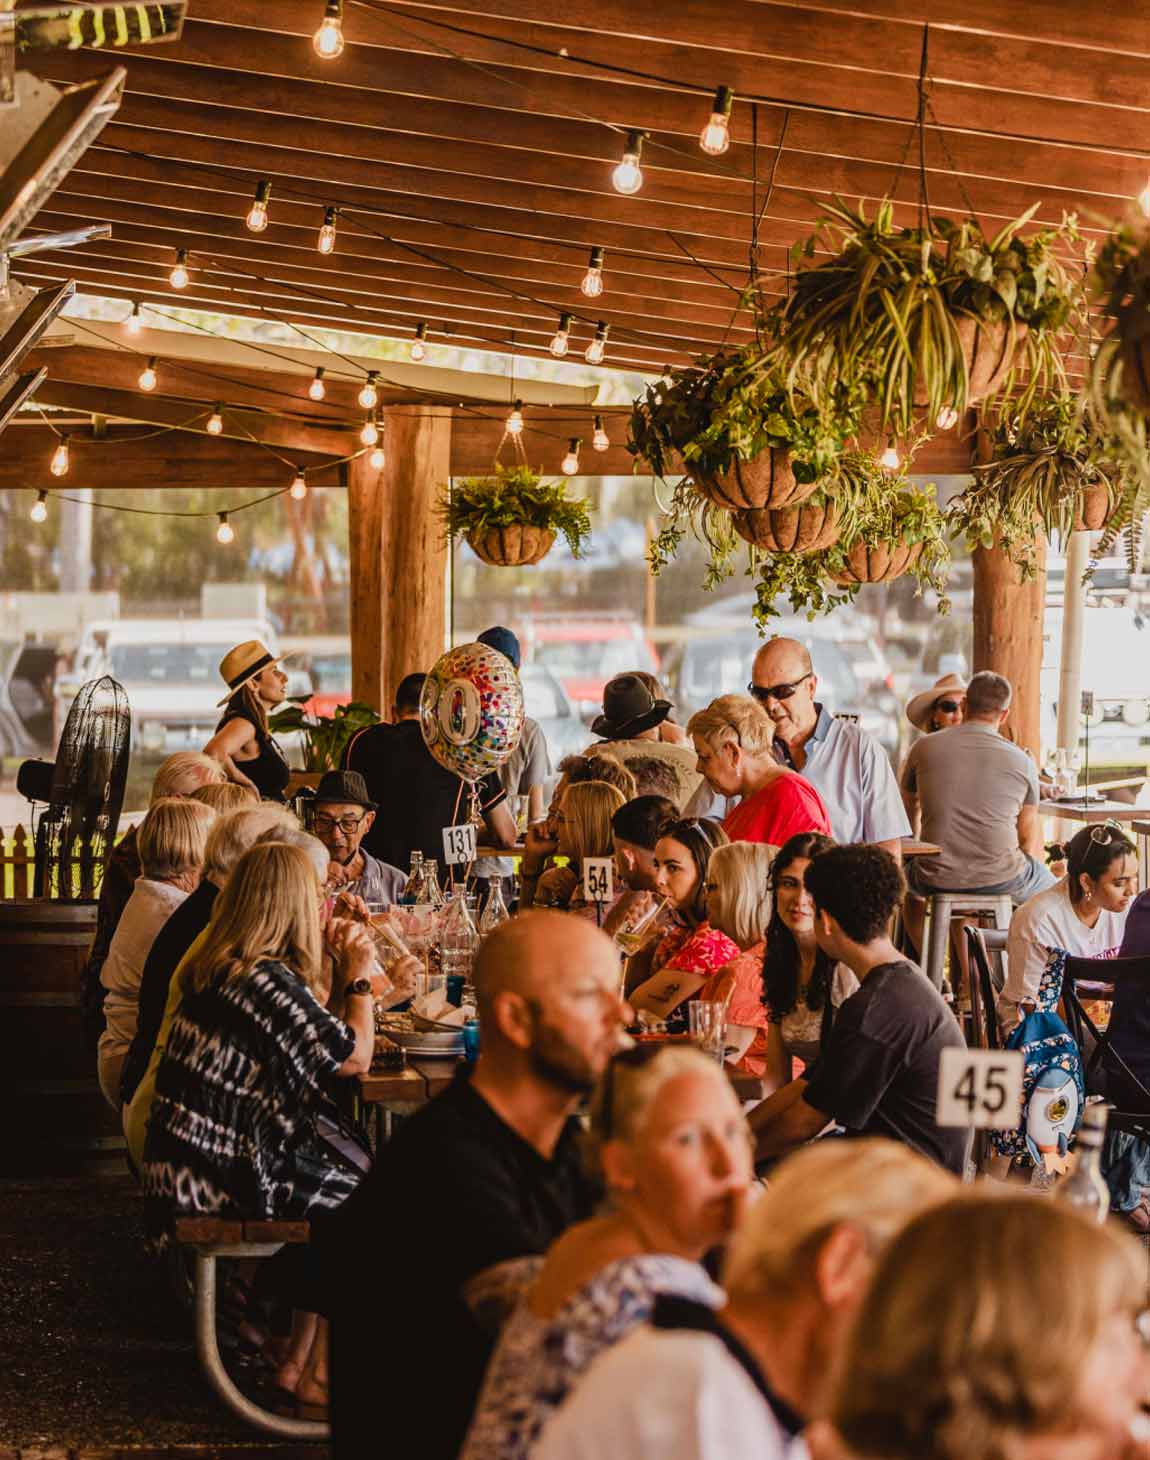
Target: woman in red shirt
x=733, y=738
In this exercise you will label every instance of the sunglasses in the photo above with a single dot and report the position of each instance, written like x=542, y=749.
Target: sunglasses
x=778, y=692
x=948, y=706
x=1109, y=831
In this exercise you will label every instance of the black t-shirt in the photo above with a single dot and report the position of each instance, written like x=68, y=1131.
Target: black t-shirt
x=877, y=1074
x=417, y=797
x=453, y=1193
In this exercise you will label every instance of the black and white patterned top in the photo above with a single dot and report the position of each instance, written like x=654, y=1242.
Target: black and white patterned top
x=233, y=1121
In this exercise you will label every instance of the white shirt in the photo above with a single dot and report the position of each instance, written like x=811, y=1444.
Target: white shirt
x=850, y=771
x=145, y=913
x=1041, y=925
x=674, y=1395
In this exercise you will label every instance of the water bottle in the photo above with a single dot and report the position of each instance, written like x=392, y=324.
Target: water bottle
x=458, y=941
x=494, y=909
x=415, y=886
x=1086, y=1187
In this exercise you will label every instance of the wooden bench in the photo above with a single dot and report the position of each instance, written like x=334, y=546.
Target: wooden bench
x=211, y=1238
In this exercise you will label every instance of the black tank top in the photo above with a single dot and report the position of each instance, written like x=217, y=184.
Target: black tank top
x=269, y=772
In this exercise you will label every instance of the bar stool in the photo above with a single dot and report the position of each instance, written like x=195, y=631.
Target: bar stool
x=941, y=907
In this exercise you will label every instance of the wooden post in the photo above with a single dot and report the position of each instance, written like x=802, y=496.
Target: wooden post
x=1008, y=615
x=398, y=554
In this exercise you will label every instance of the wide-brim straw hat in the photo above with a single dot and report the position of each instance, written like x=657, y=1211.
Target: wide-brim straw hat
x=918, y=709
x=243, y=663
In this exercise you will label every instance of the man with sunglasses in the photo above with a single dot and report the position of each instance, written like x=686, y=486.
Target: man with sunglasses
x=848, y=767
x=341, y=815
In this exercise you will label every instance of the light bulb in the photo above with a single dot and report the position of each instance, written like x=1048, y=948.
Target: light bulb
x=715, y=137
x=514, y=425
x=317, y=390
x=376, y=459
x=326, y=240
x=328, y=40
x=628, y=177
x=418, y=347
x=570, y=463
x=1144, y=200
x=179, y=277
x=39, y=512
x=215, y=424
x=134, y=324
x=370, y=433
x=298, y=489
x=946, y=418
x=225, y=533
x=597, y=348
x=592, y=284
x=889, y=460
x=600, y=441
x=147, y=380
x=369, y=396
x=59, y=466
x=257, y=219
x=561, y=339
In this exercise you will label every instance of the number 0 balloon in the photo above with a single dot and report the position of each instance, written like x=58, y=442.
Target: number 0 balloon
x=471, y=710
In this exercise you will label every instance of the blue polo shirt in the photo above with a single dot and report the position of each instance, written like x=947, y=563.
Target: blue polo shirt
x=850, y=771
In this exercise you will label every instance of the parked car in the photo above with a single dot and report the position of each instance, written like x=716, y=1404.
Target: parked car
x=546, y=701
x=27, y=672
x=320, y=666
x=584, y=653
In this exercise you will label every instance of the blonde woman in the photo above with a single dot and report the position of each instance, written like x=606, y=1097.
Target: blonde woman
x=733, y=737
x=674, y=1153
x=738, y=894
x=971, y=1358
x=742, y=1380
x=171, y=843
x=243, y=743
x=225, y=796
x=582, y=823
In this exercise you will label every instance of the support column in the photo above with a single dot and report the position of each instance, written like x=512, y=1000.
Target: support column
x=1008, y=617
x=1070, y=664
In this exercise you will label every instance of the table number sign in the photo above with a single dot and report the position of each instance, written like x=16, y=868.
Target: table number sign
x=598, y=879
x=459, y=844
x=980, y=1089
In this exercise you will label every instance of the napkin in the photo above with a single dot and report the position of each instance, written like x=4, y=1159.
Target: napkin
x=434, y=1006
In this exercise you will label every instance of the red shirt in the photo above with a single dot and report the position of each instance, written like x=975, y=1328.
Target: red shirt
x=786, y=806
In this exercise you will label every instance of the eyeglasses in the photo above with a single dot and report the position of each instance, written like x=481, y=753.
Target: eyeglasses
x=948, y=706
x=778, y=692
x=347, y=824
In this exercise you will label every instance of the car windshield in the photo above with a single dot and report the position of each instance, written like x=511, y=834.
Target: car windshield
x=594, y=658
x=166, y=663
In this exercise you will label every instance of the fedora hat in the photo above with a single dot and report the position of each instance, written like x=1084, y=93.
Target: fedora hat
x=345, y=786
x=918, y=709
x=629, y=708
x=244, y=662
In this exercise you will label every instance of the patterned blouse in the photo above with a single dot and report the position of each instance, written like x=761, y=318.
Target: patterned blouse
x=694, y=950
x=746, y=1004
x=539, y=1360
x=233, y=1123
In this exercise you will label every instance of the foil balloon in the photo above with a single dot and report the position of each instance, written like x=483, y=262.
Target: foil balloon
x=471, y=710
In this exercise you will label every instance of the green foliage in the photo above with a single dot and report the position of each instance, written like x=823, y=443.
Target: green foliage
x=802, y=577
x=325, y=737
x=1121, y=280
x=890, y=509
x=510, y=497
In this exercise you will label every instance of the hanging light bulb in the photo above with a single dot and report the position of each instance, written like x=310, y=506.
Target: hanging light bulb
x=418, y=345
x=225, y=532
x=596, y=349
x=561, y=339
x=946, y=418
x=715, y=137
x=600, y=441
x=59, y=464
x=298, y=489
x=257, y=219
x=328, y=41
x=889, y=460
x=592, y=284
x=326, y=240
x=570, y=463
x=376, y=459
x=370, y=433
x=134, y=324
x=39, y=512
x=215, y=424
x=1144, y=200
x=179, y=277
x=369, y=396
x=514, y=425
x=627, y=177
x=317, y=390
x=147, y=380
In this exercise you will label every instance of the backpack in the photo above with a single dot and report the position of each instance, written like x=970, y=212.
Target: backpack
x=1053, y=1084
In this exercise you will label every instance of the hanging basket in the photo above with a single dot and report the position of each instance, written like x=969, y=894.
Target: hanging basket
x=1094, y=509
x=765, y=481
x=989, y=347
x=789, y=529
x=511, y=547
x=878, y=562
x=1136, y=373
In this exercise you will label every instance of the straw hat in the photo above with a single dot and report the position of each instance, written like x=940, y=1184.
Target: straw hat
x=918, y=709
x=244, y=662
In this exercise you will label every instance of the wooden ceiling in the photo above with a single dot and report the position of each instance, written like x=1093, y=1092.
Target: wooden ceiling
x=470, y=145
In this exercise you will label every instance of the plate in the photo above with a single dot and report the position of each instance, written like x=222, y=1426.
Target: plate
x=428, y=1042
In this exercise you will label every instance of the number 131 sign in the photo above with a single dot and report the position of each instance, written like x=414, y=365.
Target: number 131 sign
x=980, y=1088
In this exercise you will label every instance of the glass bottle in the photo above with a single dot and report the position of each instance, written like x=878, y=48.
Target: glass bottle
x=415, y=887
x=1086, y=1187
x=494, y=909
x=458, y=940
x=434, y=893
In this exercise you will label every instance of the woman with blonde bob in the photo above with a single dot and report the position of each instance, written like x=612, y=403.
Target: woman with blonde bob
x=674, y=1153
x=739, y=905
x=744, y=1379
x=225, y=796
x=1003, y=1328
x=582, y=823
x=733, y=737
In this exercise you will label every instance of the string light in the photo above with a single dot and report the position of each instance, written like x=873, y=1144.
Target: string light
x=179, y=277
x=328, y=41
x=376, y=459
x=600, y=441
x=225, y=532
x=134, y=324
x=370, y=433
x=598, y=346
x=317, y=390
x=514, y=425
x=592, y=284
x=570, y=463
x=715, y=137
x=257, y=219
x=369, y=396
x=298, y=489
x=946, y=418
x=418, y=345
x=215, y=422
x=147, y=380
x=39, y=512
x=561, y=339
x=59, y=464
x=326, y=240
x=1144, y=200
x=628, y=177
x=889, y=460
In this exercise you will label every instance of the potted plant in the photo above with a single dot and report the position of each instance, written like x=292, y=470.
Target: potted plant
x=926, y=319
x=1121, y=280
x=512, y=517
x=324, y=737
x=807, y=528
x=896, y=527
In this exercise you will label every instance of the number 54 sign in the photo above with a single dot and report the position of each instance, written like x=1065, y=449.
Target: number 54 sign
x=980, y=1088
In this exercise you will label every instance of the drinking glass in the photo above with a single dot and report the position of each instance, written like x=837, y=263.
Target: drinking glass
x=707, y=1022
x=471, y=1040
x=429, y=983
x=633, y=934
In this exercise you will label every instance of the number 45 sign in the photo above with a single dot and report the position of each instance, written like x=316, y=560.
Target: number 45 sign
x=980, y=1088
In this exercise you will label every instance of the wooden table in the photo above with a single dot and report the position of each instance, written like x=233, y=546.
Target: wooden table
x=1091, y=813
x=912, y=847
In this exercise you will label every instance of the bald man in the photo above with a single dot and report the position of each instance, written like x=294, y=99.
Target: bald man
x=486, y=1173
x=847, y=767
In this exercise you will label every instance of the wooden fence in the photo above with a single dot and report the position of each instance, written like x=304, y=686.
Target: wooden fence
x=18, y=866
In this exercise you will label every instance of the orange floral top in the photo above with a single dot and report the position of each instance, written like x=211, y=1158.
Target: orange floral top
x=745, y=970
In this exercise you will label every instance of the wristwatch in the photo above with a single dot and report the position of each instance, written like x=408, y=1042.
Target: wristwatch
x=359, y=986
